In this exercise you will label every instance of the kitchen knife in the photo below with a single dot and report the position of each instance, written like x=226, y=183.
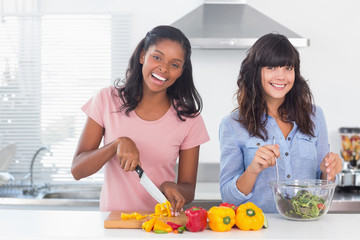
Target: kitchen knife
x=150, y=186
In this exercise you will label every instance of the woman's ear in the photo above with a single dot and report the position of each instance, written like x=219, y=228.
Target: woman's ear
x=142, y=57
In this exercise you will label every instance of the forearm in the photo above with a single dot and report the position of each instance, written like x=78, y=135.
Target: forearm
x=246, y=181
x=89, y=162
x=187, y=190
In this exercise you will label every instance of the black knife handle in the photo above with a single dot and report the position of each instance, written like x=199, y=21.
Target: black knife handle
x=139, y=170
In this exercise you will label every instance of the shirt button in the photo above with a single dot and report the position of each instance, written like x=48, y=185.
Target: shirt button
x=289, y=138
x=286, y=154
x=288, y=176
x=258, y=144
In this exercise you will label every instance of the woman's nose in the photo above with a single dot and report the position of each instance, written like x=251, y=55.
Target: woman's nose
x=280, y=73
x=163, y=68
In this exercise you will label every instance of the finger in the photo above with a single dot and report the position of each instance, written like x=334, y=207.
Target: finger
x=133, y=165
x=122, y=162
x=334, y=163
x=274, y=149
x=127, y=166
x=173, y=206
x=265, y=153
x=331, y=177
x=269, y=157
x=330, y=173
x=180, y=202
x=273, y=162
x=329, y=158
x=263, y=163
x=335, y=167
x=271, y=152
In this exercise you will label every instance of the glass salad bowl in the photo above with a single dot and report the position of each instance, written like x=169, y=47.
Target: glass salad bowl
x=306, y=199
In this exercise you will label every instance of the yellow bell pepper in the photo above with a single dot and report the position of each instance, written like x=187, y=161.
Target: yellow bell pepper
x=162, y=226
x=134, y=215
x=221, y=218
x=149, y=225
x=249, y=217
x=138, y=216
x=162, y=209
x=126, y=216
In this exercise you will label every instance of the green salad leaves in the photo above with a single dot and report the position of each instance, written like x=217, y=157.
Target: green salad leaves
x=304, y=205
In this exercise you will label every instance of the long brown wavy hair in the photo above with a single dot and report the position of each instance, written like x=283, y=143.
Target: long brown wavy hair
x=272, y=50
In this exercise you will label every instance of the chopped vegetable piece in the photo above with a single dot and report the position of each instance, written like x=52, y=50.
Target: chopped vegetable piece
x=160, y=225
x=149, y=225
x=181, y=229
x=162, y=209
x=133, y=215
x=174, y=225
x=160, y=231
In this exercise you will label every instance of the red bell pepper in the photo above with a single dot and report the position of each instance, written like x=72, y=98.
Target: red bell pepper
x=174, y=225
x=196, y=219
x=232, y=206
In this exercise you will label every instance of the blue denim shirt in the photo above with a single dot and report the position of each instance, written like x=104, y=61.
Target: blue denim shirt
x=300, y=158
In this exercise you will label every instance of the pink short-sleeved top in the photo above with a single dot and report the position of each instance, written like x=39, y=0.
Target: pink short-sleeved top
x=158, y=142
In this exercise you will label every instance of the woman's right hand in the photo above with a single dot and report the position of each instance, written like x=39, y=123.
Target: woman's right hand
x=264, y=157
x=127, y=153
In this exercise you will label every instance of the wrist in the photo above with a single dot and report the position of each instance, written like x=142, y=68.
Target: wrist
x=252, y=171
x=165, y=185
x=115, y=144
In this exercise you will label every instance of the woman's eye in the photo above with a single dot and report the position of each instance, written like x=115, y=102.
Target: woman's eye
x=289, y=68
x=269, y=67
x=175, y=65
x=156, y=57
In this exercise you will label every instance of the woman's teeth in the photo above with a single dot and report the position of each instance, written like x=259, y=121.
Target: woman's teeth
x=158, y=77
x=277, y=85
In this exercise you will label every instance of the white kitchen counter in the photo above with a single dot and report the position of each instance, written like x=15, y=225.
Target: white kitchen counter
x=45, y=224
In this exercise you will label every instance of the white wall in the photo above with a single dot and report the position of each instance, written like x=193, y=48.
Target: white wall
x=330, y=63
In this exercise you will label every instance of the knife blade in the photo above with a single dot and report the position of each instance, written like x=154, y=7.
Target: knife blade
x=149, y=186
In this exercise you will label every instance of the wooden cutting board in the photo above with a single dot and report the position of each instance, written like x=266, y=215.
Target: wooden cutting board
x=114, y=220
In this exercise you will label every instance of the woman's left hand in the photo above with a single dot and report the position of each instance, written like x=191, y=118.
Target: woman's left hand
x=174, y=196
x=330, y=166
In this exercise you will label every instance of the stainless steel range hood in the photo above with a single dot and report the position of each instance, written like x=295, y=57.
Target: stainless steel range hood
x=230, y=26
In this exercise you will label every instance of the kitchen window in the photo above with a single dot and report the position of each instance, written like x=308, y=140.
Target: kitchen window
x=50, y=65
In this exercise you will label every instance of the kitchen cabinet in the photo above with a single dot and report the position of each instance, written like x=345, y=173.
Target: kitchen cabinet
x=45, y=224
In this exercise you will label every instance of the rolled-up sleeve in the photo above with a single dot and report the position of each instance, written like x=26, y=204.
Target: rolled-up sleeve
x=321, y=132
x=231, y=162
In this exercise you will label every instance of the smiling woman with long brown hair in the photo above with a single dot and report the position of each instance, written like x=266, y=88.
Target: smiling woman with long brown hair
x=275, y=118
